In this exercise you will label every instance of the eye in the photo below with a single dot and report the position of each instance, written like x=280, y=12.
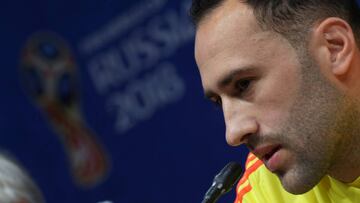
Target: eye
x=241, y=87
x=216, y=101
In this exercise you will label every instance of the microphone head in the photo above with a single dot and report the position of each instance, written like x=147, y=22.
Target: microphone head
x=223, y=182
x=228, y=176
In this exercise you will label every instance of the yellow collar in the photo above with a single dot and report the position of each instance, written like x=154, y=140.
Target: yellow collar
x=356, y=183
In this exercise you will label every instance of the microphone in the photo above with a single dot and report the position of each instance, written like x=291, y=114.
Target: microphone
x=223, y=182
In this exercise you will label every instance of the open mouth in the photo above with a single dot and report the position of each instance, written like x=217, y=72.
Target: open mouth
x=268, y=155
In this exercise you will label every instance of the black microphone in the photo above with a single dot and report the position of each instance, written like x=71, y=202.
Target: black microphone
x=223, y=182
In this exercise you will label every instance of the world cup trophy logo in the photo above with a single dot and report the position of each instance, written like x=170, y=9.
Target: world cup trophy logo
x=49, y=75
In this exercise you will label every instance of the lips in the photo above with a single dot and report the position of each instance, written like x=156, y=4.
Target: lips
x=269, y=155
x=265, y=152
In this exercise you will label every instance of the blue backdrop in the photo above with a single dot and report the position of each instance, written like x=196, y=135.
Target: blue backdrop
x=102, y=100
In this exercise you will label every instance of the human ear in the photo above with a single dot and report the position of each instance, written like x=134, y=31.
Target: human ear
x=334, y=42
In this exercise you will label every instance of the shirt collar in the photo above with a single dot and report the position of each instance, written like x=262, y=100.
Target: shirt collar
x=355, y=183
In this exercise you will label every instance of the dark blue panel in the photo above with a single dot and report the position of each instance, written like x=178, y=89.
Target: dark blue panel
x=102, y=100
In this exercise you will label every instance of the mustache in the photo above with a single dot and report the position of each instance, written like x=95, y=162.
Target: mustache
x=256, y=140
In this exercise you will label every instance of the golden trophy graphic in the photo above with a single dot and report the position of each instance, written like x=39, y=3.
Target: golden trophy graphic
x=48, y=73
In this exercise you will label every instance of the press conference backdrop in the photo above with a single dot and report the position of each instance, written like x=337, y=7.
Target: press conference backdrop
x=101, y=101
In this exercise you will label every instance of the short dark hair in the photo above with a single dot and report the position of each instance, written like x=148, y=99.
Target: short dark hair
x=200, y=8
x=288, y=17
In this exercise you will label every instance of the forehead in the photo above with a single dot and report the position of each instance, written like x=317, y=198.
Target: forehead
x=228, y=37
x=224, y=24
x=229, y=40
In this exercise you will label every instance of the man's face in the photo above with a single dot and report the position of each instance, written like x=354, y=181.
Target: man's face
x=274, y=101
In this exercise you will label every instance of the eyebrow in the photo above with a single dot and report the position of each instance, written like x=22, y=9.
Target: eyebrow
x=229, y=78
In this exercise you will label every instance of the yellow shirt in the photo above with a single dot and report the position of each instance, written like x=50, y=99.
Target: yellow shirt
x=259, y=185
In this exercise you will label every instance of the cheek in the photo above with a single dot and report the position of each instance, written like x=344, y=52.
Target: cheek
x=273, y=120
x=276, y=99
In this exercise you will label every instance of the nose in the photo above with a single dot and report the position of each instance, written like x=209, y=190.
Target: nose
x=240, y=122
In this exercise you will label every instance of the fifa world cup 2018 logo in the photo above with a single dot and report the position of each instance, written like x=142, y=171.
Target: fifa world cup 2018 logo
x=48, y=73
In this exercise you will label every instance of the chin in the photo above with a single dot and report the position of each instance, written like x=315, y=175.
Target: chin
x=297, y=189
x=298, y=184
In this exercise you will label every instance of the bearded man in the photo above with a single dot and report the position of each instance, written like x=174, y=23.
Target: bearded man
x=286, y=74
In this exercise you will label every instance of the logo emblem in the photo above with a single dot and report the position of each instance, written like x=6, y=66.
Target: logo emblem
x=49, y=76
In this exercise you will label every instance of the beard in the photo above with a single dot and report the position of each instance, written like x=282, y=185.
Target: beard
x=309, y=131
x=314, y=133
